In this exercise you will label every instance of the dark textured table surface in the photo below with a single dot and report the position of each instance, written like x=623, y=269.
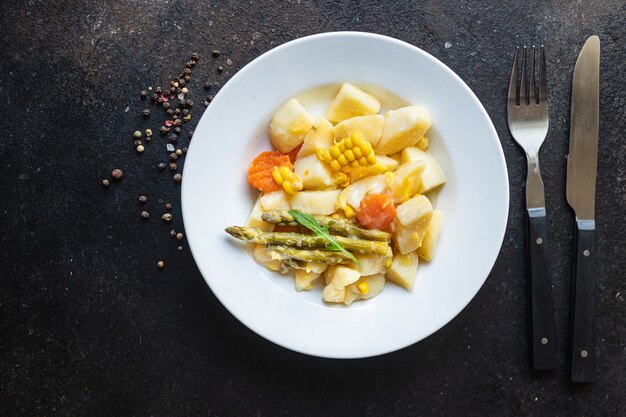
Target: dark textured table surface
x=89, y=326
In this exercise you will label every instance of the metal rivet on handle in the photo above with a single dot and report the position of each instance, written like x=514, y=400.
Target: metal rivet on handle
x=583, y=353
x=586, y=252
x=544, y=340
x=539, y=241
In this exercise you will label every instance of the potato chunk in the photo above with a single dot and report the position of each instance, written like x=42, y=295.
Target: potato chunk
x=289, y=126
x=315, y=174
x=338, y=278
x=407, y=181
x=414, y=210
x=371, y=127
x=373, y=283
x=403, y=270
x=355, y=192
x=427, y=249
x=304, y=279
x=255, y=220
x=276, y=200
x=315, y=202
x=432, y=176
x=320, y=136
x=371, y=264
x=351, y=101
x=403, y=127
x=262, y=255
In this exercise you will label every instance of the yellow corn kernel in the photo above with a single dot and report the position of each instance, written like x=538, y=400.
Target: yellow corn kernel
x=334, y=151
x=354, y=164
x=348, y=211
x=348, y=142
x=371, y=158
x=357, y=152
x=342, y=179
x=349, y=155
x=342, y=160
x=335, y=166
x=278, y=178
x=285, y=177
x=363, y=287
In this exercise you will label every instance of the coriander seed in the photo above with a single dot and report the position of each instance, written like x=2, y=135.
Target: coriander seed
x=105, y=183
x=162, y=165
x=137, y=134
x=145, y=214
x=143, y=199
x=167, y=217
x=160, y=264
x=148, y=132
x=140, y=149
x=173, y=166
x=168, y=206
x=179, y=152
x=185, y=90
x=117, y=174
x=178, y=178
x=180, y=248
x=179, y=236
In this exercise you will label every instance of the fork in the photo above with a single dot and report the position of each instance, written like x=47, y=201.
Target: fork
x=528, y=123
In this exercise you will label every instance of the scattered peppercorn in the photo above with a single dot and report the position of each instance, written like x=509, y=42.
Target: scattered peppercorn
x=166, y=105
x=179, y=236
x=167, y=217
x=210, y=98
x=105, y=183
x=117, y=174
x=195, y=56
x=185, y=149
x=143, y=94
x=177, y=122
x=168, y=206
x=140, y=149
x=137, y=134
x=206, y=103
x=187, y=72
x=160, y=264
x=180, y=248
x=190, y=133
x=220, y=69
x=207, y=85
x=178, y=178
x=146, y=112
x=216, y=53
x=137, y=142
x=184, y=90
x=179, y=152
x=229, y=62
x=173, y=137
x=173, y=166
x=159, y=89
x=173, y=233
x=145, y=214
x=187, y=117
x=143, y=199
x=148, y=132
x=162, y=165
x=170, y=112
x=187, y=77
x=173, y=156
x=185, y=112
x=177, y=129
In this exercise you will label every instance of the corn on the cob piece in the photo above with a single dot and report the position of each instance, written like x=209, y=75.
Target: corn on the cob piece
x=299, y=240
x=335, y=226
x=349, y=153
x=287, y=179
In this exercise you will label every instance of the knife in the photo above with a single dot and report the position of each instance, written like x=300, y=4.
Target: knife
x=581, y=189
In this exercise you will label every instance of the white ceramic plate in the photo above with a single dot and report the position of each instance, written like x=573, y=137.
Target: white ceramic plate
x=215, y=194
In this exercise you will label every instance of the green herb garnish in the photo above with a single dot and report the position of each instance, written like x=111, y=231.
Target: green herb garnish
x=310, y=223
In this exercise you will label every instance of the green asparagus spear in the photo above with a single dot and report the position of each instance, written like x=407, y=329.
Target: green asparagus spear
x=336, y=226
x=300, y=240
x=309, y=255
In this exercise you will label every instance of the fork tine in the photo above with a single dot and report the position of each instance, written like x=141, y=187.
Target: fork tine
x=522, y=87
x=532, y=86
x=513, y=80
x=543, y=84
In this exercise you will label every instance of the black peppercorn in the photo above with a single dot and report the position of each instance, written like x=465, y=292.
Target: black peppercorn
x=195, y=56
x=173, y=166
x=177, y=130
x=173, y=137
x=143, y=94
x=162, y=165
x=146, y=112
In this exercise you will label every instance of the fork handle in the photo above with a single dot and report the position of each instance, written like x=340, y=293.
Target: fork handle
x=582, y=353
x=542, y=327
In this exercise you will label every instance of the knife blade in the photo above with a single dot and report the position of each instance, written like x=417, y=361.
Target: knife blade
x=582, y=164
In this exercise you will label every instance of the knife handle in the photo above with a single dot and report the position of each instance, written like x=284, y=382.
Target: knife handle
x=583, y=349
x=542, y=327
